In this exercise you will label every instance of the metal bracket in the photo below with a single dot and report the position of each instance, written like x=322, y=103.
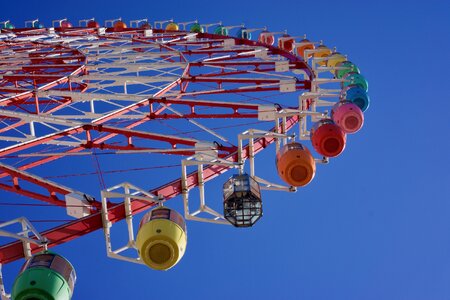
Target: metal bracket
x=250, y=135
x=78, y=205
x=58, y=22
x=111, y=22
x=159, y=24
x=206, y=26
x=31, y=22
x=135, y=23
x=200, y=160
x=101, y=31
x=126, y=191
x=309, y=101
x=83, y=23
x=282, y=66
x=228, y=43
x=287, y=85
x=183, y=24
x=23, y=235
x=3, y=294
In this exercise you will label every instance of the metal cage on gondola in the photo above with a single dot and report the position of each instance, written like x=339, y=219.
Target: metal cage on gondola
x=242, y=203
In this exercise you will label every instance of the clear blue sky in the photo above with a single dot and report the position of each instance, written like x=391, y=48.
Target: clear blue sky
x=374, y=224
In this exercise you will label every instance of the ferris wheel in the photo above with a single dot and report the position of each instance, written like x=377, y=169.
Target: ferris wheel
x=178, y=104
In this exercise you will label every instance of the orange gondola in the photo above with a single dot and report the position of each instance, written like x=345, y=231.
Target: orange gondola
x=295, y=164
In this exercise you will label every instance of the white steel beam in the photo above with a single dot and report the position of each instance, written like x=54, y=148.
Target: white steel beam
x=77, y=97
x=132, y=55
x=124, y=79
x=134, y=67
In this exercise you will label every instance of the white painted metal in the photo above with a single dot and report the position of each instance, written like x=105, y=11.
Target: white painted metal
x=251, y=135
x=288, y=86
x=159, y=24
x=203, y=213
x=183, y=24
x=78, y=205
x=282, y=66
x=58, y=22
x=209, y=215
x=84, y=23
x=3, y=294
x=206, y=26
x=266, y=113
x=135, y=23
x=127, y=192
x=36, y=178
x=110, y=23
x=131, y=68
x=28, y=234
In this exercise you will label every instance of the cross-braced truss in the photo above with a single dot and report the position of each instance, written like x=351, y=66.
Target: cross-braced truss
x=84, y=92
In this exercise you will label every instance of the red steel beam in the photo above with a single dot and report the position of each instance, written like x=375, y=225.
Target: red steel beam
x=235, y=63
x=193, y=102
x=100, y=140
x=301, y=85
x=205, y=116
x=139, y=134
x=230, y=80
x=93, y=222
x=80, y=227
x=212, y=75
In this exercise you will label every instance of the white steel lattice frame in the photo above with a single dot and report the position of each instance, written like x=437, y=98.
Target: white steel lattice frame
x=28, y=235
x=47, y=75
